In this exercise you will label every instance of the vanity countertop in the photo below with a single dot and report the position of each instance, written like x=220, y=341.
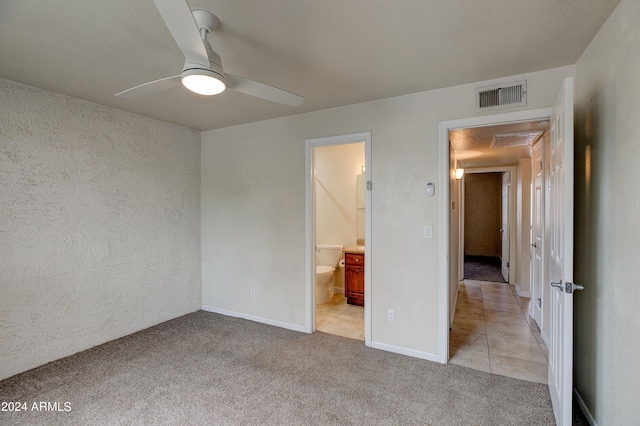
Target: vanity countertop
x=353, y=249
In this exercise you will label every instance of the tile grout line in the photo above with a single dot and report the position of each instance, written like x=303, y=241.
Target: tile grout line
x=486, y=334
x=531, y=331
x=517, y=300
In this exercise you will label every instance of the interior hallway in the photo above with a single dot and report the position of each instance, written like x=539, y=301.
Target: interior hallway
x=492, y=332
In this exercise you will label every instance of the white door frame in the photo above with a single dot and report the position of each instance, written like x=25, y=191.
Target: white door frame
x=310, y=215
x=445, y=202
x=511, y=207
x=461, y=219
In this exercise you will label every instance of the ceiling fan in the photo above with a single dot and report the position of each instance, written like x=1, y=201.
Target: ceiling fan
x=202, y=72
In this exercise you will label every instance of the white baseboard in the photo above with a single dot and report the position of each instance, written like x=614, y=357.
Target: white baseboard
x=404, y=351
x=522, y=293
x=268, y=321
x=583, y=408
x=302, y=329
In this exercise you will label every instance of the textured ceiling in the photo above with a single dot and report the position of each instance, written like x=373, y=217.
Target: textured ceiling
x=473, y=146
x=333, y=52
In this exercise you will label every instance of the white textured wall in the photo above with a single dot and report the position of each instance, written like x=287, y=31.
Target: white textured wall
x=99, y=225
x=253, y=208
x=607, y=230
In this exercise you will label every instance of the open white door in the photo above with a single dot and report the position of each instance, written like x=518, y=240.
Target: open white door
x=537, y=231
x=561, y=255
x=504, y=230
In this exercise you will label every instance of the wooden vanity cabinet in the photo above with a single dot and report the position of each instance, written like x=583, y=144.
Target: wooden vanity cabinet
x=354, y=278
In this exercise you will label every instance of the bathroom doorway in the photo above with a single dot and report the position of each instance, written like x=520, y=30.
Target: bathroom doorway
x=338, y=227
x=339, y=211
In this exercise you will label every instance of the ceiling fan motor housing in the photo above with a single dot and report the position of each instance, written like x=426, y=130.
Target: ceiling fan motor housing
x=215, y=64
x=214, y=71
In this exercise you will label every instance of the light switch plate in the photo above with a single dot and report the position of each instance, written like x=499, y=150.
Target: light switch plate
x=428, y=231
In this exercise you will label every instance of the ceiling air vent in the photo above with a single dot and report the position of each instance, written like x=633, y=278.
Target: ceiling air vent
x=512, y=140
x=501, y=96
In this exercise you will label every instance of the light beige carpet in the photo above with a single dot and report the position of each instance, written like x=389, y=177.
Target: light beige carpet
x=205, y=368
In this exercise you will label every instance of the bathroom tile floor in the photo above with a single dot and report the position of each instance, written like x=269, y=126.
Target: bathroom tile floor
x=338, y=317
x=492, y=332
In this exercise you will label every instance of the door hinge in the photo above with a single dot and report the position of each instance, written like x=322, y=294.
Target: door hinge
x=369, y=185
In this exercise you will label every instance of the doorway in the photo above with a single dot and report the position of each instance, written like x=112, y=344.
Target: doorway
x=486, y=218
x=491, y=329
x=322, y=191
x=339, y=233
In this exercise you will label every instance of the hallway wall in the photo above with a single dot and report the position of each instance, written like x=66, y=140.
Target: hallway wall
x=607, y=232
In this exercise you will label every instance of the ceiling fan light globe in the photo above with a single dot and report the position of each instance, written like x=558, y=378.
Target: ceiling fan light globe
x=203, y=82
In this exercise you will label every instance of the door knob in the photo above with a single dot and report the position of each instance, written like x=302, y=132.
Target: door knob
x=559, y=285
x=534, y=245
x=567, y=287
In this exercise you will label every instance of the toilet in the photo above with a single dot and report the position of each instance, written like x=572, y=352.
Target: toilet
x=327, y=258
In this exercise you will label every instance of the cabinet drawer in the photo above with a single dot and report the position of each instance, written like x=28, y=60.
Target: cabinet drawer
x=354, y=259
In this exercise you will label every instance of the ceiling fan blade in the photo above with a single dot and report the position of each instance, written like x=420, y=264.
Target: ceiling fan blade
x=263, y=91
x=179, y=20
x=150, y=88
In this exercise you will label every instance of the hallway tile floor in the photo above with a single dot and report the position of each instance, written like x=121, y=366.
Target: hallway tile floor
x=492, y=332
x=338, y=317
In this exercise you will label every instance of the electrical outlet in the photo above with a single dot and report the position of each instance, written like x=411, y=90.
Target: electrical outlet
x=253, y=292
x=391, y=315
x=272, y=295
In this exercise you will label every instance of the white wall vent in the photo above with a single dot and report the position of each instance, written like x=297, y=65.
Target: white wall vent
x=512, y=140
x=500, y=96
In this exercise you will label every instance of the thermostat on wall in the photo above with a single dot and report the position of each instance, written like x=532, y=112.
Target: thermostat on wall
x=431, y=189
